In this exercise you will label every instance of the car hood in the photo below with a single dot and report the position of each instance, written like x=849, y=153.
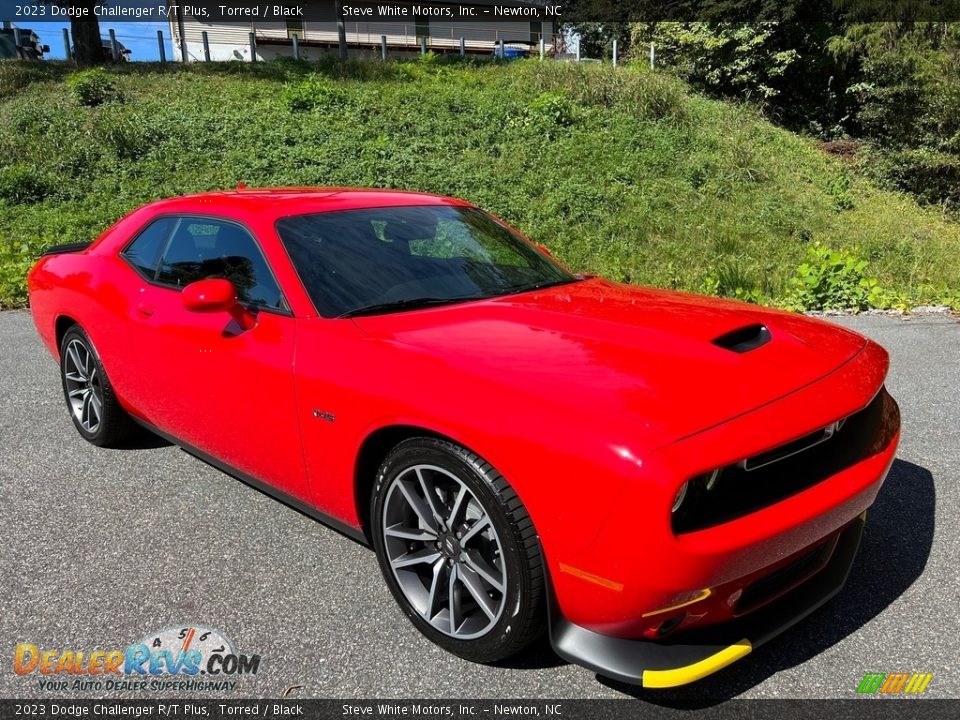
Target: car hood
x=632, y=352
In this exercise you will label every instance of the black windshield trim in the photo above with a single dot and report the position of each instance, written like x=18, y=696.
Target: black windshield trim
x=446, y=302
x=408, y=305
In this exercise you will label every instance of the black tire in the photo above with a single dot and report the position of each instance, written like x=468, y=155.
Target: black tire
x=114, y=425
x=523, y=616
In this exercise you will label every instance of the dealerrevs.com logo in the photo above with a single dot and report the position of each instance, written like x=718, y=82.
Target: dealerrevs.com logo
x=902, y=683
x=187, y=658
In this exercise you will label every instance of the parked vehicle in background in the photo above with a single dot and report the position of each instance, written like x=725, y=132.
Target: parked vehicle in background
x=29, y=47
x=512, y=50
x=123, y=52
x=8, y=51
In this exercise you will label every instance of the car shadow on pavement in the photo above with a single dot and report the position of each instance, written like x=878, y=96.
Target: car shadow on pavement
x=893, y=553
x=538, y=656
x=143, y=439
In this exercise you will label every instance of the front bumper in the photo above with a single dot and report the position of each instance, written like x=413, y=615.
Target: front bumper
x=692, y=655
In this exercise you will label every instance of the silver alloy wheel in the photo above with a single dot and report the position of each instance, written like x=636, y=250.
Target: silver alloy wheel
x=84, y=391
x=444, y=551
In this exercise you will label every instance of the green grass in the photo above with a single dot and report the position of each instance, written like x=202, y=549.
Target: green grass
x=624, y=173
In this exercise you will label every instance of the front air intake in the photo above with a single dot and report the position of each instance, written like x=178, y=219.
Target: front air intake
x=744, y=339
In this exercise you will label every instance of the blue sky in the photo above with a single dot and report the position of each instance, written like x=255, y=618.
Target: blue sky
x=140, y=37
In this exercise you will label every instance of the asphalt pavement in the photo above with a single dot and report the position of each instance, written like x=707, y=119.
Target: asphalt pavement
x=98, y=548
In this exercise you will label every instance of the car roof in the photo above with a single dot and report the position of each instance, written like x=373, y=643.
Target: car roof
x=283, y=202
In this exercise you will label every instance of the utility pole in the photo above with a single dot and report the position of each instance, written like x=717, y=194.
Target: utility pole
x=341, y=31
x=181, y=31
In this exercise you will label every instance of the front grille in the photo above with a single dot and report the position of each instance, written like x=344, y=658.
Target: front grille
x=791, y=448
x=778, y=473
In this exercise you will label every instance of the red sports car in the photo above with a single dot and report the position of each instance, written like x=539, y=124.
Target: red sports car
x=663, y=480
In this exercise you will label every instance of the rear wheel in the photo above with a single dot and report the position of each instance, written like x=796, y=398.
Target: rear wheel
x=94, y=408
x=458, y=550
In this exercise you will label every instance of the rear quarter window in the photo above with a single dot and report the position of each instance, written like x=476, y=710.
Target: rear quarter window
x=144, y=251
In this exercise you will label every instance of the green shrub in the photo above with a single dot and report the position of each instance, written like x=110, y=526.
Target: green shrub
x=834, y=280
x=931, y=175
x=14, y=264
x=126, y=135
x=21, y=183
x=92, y=87
x=839, y=189
x=312, y=93
x=547, y=114
x=551, y=109
x=639, y=92
x=949, y=297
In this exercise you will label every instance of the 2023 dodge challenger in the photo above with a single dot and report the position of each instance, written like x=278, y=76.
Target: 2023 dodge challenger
x=663, y=480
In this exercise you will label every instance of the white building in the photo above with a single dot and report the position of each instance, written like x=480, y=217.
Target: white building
x=231, y=41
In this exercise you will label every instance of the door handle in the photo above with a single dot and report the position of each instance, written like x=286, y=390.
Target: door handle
x=145, y=309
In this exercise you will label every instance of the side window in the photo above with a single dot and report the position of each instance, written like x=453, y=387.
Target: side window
x=144, y=252
x=202, y=248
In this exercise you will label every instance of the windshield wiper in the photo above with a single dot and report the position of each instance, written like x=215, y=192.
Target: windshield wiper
x=407, y=304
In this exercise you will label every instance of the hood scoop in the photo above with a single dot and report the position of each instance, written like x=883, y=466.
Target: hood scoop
x=744, y=339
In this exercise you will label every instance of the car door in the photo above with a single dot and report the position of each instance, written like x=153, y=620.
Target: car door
x=222, y=388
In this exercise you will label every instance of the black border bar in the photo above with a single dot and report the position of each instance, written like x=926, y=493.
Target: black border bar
x=24, y=12
x=446, y=709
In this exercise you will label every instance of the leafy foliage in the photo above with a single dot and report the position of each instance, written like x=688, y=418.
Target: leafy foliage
x=733, y=59
x=894, y=84
x=907, y=103
x=833, y=280
x=548, y=113
x=92, y=87
x=22, y=183
x=314, y=92
x=839, y=189
x=596, y=38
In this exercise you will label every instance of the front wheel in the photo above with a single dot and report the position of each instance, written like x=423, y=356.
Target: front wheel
x=458, y=550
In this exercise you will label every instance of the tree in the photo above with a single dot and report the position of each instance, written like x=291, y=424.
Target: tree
x=784, y=67
x=596, y=38
x=85, y=29
x=607, y=22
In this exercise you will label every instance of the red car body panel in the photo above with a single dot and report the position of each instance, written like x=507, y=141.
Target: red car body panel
x=596, y=400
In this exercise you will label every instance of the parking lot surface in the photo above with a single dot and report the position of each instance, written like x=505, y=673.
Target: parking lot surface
x=99, y=548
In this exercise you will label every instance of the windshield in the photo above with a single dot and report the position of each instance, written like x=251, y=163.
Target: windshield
x=378, y=260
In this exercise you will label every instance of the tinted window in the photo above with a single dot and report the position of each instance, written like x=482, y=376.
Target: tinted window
x=369, y=259
x=144, y=252
x=202, y=248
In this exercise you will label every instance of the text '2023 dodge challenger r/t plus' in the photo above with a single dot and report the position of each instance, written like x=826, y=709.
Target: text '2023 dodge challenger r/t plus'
x=660, y=480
